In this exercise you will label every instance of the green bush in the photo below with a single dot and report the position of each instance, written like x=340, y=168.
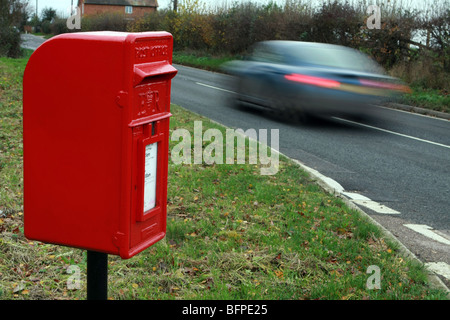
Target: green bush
x=10, y=42
x=105, y=21
x=46, y=26
x=337, y=23
x=59, y=26
x=12, y=15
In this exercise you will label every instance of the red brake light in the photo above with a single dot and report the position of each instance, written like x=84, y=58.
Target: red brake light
x=316, y=81
x=385, y=85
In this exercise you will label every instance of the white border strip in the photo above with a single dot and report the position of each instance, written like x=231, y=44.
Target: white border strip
x=427, y=231
x=395, y=133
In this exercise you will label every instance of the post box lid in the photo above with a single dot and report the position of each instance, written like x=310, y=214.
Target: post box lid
x=111, y=35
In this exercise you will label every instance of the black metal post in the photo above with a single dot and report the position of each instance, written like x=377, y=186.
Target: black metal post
x=97, y=275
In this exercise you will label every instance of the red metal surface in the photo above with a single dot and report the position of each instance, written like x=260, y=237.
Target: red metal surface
x=92, y=102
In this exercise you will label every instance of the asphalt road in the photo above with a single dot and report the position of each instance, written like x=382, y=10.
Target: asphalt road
x=397, y=159
x=30, y=41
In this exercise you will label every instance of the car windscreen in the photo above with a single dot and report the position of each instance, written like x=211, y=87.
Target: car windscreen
x=335, y=57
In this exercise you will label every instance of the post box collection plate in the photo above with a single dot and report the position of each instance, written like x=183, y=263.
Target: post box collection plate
x=96, y=112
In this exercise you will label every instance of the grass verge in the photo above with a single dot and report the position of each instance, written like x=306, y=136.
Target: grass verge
x=201, y=60
x=11, y=152
x=432, y=99
x=232, y=233
x=44, y=35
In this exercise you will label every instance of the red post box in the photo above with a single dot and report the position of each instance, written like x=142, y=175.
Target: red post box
x=96, y=111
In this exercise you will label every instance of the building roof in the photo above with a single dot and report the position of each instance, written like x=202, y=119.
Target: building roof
x=134, y=3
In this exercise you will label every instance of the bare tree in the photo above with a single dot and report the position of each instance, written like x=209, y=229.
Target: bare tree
x=175, y=5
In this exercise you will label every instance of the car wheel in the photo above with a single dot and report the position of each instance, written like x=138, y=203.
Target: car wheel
x=286, y=109
x=238, y=94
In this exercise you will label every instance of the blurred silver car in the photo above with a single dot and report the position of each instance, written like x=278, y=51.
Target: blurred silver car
x=296, y=79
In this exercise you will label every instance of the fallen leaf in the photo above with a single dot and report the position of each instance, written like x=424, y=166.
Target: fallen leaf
x=279, y=273
x=18, y=287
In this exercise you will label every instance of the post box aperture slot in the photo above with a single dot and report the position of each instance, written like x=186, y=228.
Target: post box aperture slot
x=153, y=72
x=149, y=160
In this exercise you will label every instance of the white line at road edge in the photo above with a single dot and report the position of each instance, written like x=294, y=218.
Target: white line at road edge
x=375, y=206
x=440, y=268
x=212, y=87
x=413, y=113
x=356, y=198
x=393, y=132
x=428, y=232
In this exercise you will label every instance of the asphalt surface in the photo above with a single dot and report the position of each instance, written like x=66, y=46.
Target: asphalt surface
x=395, y=158
x=30, y=41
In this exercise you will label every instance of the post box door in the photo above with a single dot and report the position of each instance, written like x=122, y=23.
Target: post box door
x=149, y=99
x=148, y=214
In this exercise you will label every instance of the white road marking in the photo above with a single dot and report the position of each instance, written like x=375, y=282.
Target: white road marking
x=375, y=206
x=413, y=113
x=441, y=268
x=366, y=202
x=428, y=232
x=395, y=133
x=330, y=182
x=212, y=87
x=356, y=198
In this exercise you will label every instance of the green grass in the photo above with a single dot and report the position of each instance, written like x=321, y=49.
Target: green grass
x=45, y=35
x=201, y=60
x=11, y=151
x=432, y=99
x=232, y=233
